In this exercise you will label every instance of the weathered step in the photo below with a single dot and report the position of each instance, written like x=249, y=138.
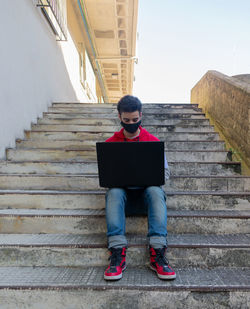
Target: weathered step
x=91, y=250
x=146, y=117
x=98, y=110
x=116, y=121
x=91, y=182
x=56, y=144
x=84, y=221
x=86, y=136
x=189, y=200
x=114, y=106
x=112, y=129
x=176, y=168
x=64, y=286
x=91, y=145
x=45, y=154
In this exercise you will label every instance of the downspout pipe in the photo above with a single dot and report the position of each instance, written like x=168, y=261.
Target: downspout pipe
x=99, y=74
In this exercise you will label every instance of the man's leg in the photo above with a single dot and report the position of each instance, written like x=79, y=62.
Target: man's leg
x=155, y=199
x=115, y=218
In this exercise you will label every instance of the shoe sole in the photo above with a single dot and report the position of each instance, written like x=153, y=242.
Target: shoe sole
x=114, y=277
x=170, y=277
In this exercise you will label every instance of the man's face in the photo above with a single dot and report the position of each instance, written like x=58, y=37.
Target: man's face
x=130, y=118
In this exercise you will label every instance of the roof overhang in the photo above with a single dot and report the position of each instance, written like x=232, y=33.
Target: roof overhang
x=110, y=29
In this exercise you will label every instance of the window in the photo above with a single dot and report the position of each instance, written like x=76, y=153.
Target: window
x=82, y=65
x=55, y=13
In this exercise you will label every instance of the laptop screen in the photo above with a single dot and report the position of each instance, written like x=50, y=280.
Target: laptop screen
x=130, y=164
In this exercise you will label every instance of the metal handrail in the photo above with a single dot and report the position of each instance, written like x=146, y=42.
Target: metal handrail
x=54, y=6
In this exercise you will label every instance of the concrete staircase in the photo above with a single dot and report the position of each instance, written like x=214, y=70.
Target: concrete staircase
x=53, y=244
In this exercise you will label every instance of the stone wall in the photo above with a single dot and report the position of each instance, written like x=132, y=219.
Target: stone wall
x=226, y=101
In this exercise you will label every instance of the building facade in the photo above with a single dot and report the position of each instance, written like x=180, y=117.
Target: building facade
x=62, y=51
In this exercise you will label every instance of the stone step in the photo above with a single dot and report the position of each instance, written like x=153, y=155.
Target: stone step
x=189, y=200
x=62, y=287
x=112, y=129
x=91, y=145
x=146, y=117
x=91, y=182
x=176, y=168
x=77, y=250
x=97, y=110
x=116, y=121
x=86, y=136
x=57, y=155
x=140, y=288
x=114, y=106
x=84, y=221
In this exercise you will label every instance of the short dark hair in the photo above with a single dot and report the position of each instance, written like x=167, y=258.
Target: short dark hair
x=129, y=104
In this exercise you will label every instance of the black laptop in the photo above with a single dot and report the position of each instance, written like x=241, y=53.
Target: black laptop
x=130, y=164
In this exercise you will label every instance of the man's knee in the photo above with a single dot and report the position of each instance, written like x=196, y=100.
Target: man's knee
x=155, y=192
x=116, y=192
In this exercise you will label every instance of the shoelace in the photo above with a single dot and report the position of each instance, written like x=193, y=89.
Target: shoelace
x=160, y=257
x=115, y=258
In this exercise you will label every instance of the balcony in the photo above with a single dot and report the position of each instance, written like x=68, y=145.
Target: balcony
x=55, y=13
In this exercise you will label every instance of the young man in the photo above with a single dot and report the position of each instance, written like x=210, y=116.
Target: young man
x=130, y=114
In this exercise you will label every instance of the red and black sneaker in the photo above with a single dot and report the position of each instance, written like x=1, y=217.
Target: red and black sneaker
x=160, y=264
x=117, y=264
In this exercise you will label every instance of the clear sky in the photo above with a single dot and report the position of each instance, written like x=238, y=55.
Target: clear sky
x=180, y=40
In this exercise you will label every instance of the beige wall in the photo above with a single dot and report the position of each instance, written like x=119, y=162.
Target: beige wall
x=226, y=101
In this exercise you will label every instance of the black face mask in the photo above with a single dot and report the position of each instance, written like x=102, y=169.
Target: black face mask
x=132, y=127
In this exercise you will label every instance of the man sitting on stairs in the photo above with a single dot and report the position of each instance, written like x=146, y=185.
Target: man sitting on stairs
x=153, y=197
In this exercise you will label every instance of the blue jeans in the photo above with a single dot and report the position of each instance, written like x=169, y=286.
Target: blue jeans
x=154, y=200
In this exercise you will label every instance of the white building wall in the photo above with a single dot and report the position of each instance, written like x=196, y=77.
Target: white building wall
x=35, y=69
